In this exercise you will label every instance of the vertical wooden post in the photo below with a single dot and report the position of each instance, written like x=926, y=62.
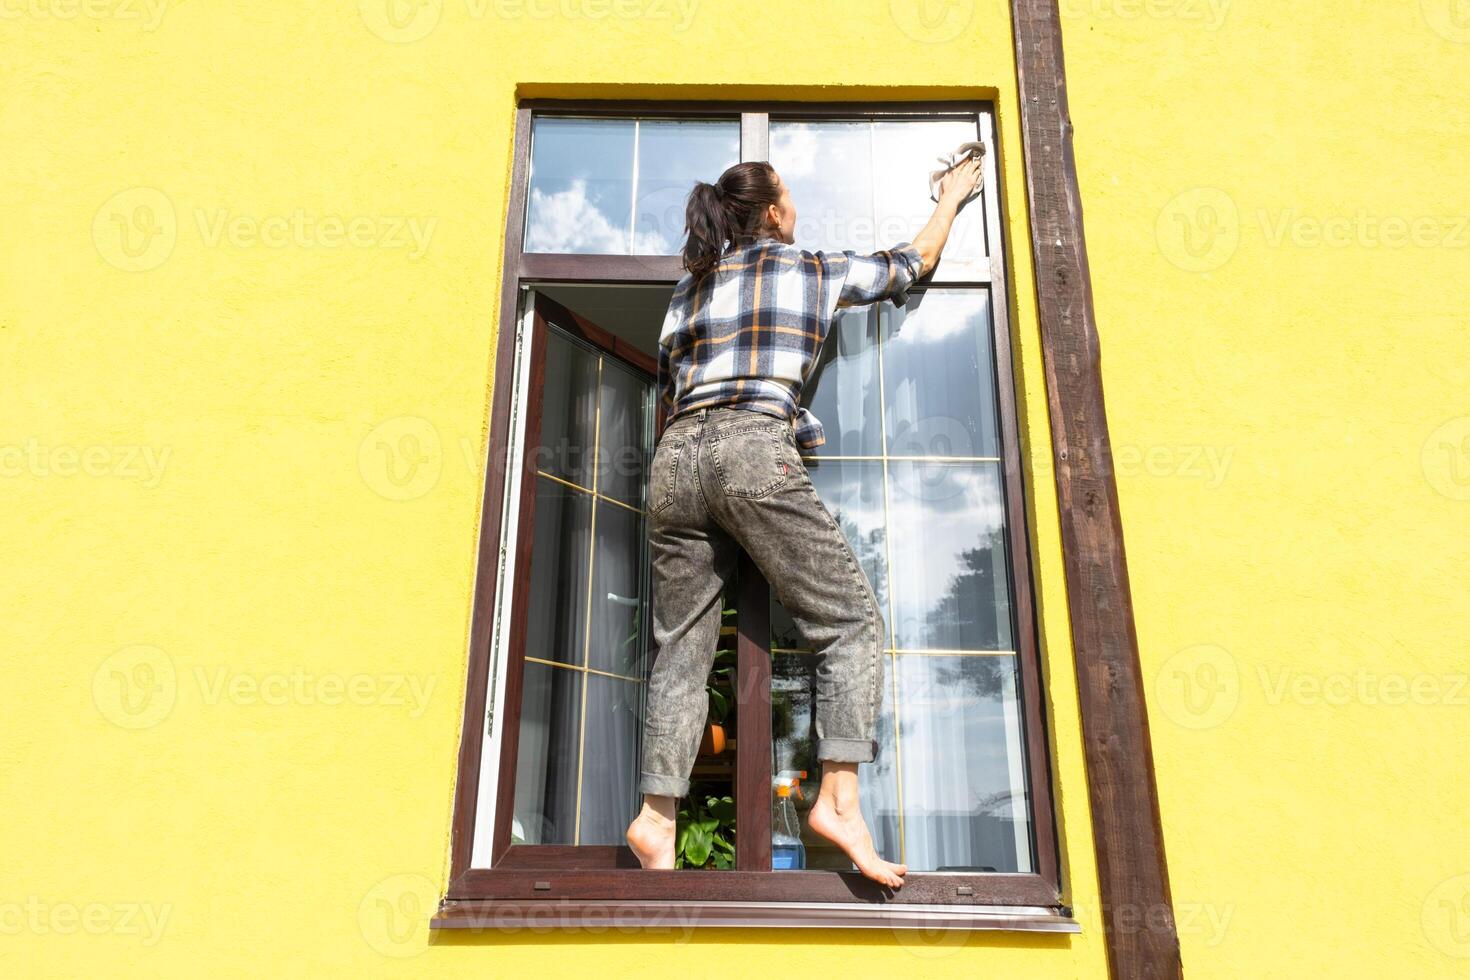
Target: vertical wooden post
x=753, y=694
x=1137, y=910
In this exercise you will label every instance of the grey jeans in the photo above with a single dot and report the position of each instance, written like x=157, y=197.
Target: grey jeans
x=725, y=479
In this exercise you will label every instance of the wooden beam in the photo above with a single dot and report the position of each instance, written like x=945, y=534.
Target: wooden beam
x=1137, y=910
x=753, y=718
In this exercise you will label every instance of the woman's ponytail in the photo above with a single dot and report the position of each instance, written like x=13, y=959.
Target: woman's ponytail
x=704, y=217
x=729, y=212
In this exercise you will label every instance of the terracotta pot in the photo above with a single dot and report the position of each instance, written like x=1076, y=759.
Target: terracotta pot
x=713, y=742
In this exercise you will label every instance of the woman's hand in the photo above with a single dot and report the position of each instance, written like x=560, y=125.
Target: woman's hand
x=954, y=188
x=959, y=183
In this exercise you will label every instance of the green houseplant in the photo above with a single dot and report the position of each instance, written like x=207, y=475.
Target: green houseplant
x=706, y=836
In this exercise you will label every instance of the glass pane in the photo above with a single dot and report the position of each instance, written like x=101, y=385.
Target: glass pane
x=672, y=155
x=904, y=153
x=581, y=197
x=794, y=741
x=623, y=434
x=568, y=411
x=618, y=629
x=853, y=492
x=586, y=593
x=963, y=775
x=828, y=167
x=864, y=184
x=842, y=390
x=950, y=584
x=610, y=798
x=558, y=587
x=939, y=393
x=546, y=756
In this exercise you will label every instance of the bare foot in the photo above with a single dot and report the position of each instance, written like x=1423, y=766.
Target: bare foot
x=651, y=834
x=837, y=816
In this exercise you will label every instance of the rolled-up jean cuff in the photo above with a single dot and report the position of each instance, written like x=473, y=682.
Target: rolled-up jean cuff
x=658, y=784
x=847, y=749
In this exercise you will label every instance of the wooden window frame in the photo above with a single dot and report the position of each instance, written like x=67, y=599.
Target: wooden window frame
x=598, y=880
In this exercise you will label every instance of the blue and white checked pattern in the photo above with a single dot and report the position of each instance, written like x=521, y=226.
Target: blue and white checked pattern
x=748, y=333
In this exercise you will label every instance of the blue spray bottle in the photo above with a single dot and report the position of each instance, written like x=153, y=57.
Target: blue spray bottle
x=787, y=851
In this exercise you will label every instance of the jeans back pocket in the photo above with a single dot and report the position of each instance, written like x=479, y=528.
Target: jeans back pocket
x=664, y=474
x=749, y=457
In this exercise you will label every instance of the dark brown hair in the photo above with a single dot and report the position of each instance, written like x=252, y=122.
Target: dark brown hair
x=729, y=211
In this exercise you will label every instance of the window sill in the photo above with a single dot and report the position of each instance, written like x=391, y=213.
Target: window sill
x=510, y=915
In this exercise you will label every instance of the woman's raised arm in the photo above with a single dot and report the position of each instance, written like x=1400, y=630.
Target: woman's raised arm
x=954, y=190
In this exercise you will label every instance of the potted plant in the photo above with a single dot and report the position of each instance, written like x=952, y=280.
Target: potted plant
x=721, y=688
x=706, y=835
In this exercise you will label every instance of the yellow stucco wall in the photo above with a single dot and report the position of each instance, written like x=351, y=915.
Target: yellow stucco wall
x=242, y=455
x=1278, y=221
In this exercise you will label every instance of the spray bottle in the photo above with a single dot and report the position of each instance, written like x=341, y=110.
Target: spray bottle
x=787, y=851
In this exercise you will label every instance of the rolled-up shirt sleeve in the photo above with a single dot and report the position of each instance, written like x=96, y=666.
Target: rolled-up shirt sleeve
x=861, y=280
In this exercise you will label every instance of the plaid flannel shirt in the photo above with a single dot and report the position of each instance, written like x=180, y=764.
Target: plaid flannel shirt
x=748, y=333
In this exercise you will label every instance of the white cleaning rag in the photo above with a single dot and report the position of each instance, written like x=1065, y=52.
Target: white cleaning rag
x=964, y=152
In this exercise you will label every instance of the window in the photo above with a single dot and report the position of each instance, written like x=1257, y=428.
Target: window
x=912, y=471
x=921, y=468
x=585, y=571
x=606, y=185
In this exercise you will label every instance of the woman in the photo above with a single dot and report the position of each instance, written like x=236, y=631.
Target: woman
x=743, y=329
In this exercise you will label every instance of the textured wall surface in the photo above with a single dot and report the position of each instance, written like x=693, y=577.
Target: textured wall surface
x=1278, y=221
x=249, y=281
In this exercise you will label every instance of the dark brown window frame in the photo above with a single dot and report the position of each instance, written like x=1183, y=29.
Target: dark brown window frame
x=602, y=879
